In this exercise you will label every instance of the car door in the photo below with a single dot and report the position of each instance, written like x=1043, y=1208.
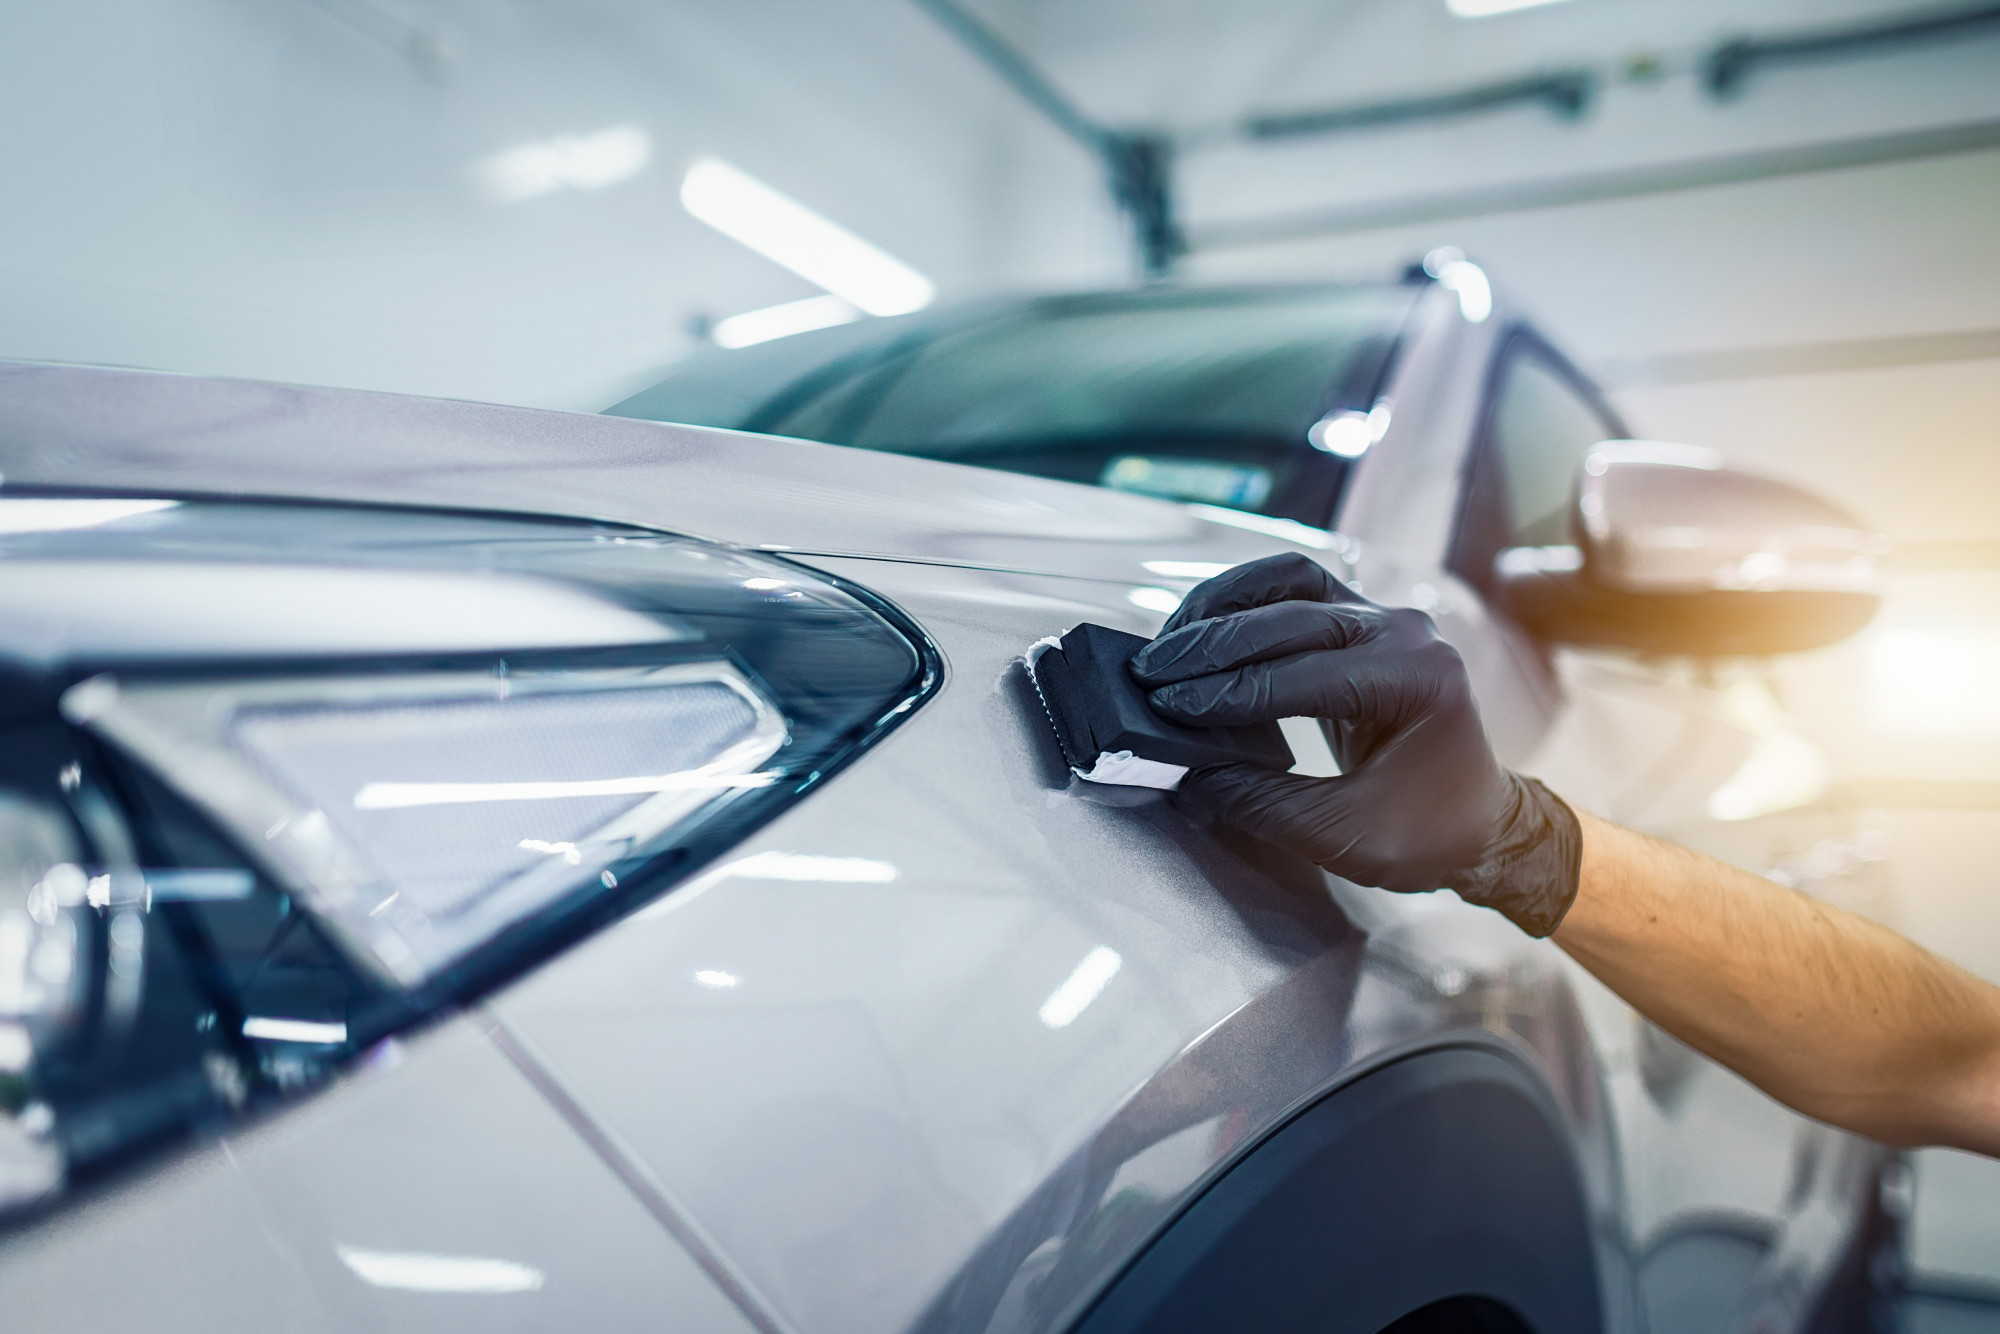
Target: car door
x=1712, y=1168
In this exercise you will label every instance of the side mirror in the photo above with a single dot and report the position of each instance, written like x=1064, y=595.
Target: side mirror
x=1677, y=554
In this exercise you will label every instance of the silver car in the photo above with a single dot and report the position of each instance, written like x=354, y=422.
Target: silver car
x=467, y=867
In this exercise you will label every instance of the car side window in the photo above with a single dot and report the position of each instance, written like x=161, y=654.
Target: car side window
x=1540, y=421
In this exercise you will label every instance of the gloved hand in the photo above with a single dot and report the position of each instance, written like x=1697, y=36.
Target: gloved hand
x=1420, y=803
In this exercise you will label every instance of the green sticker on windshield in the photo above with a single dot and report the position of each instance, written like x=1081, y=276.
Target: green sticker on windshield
x=1189, y=479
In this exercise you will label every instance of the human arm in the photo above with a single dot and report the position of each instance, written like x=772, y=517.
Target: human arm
x=1827, y=1012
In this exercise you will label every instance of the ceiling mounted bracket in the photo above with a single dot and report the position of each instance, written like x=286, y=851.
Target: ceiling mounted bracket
x=1138, y=165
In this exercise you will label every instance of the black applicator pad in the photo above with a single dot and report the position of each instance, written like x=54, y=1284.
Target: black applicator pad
x=1096, y=706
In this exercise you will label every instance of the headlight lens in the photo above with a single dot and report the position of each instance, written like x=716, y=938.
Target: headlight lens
x=224, y=872
x=43, y=984
x=420, y=816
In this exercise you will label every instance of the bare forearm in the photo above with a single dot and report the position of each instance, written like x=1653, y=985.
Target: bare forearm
x=1826, y=1011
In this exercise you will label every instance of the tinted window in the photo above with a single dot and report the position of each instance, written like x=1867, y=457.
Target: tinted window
x=1541, y=428
x=1196, y=396
x=1541, y=420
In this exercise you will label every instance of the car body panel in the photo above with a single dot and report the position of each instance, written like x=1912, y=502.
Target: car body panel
x=871, y=1125
x=137, y=432
x=929, y=1151
x=432, y=1190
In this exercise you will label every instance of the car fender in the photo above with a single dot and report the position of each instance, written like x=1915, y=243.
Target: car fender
x=1442, y=1174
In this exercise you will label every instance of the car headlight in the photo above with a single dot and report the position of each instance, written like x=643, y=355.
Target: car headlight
x=233, y=855
x=421, y=816
x=43, y=990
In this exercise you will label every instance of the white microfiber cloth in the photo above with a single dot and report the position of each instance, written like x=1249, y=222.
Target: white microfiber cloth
x=1122, y=768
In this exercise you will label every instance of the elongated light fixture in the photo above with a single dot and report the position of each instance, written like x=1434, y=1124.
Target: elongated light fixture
x=761, y=326
x=786, y=232
x=568, y=161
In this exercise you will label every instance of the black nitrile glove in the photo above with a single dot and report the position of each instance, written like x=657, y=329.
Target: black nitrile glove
x=1420, y=803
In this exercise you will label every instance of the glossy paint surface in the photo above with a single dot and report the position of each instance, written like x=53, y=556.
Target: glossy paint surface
x=945, y=1045
x=134, y=432
x=933, y=1152
x=433, y=1191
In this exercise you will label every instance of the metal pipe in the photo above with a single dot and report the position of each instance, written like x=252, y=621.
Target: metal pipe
x=1567, y=93
x=1758, y=363
x=1724, y=69
x=417, y=43
x=1592, y=187
x=1138, y=166
x=1015, y=70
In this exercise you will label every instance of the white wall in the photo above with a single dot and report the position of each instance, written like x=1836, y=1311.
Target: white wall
x=276, y=188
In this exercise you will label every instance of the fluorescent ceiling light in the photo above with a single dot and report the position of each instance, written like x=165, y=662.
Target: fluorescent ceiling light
x=1479, y=9
x=568, y=161
x=794, y=317
x=786, y=232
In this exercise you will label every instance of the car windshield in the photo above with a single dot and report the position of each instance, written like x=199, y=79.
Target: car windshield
x=1197, y=396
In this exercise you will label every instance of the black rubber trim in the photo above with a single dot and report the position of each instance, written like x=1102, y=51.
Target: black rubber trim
x=1446, y=1174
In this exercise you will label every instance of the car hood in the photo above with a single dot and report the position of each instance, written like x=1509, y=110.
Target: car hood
x=138, y=431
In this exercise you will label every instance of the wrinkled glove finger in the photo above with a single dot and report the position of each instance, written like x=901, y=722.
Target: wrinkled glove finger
x=1305, y=685
x=1313, y=817
x=1290, y=577
x=1381, y=682
x=1325, y=820
x=1259, y=633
